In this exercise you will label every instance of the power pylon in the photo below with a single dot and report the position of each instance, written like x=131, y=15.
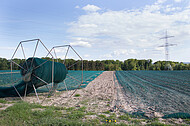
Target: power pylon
x=166, y=45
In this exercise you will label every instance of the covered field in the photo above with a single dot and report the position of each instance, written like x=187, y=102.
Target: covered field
x=166, y=92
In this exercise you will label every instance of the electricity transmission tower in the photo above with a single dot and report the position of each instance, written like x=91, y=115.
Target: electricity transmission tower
x=166, y=45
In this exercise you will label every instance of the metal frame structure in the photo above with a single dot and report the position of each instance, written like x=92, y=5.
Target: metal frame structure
x=53, y=55
x=38, y=41
x=69, y=47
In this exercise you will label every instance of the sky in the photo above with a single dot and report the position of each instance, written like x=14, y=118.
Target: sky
x=97, y=29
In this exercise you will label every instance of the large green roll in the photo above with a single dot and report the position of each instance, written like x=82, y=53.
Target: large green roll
x=34, y=70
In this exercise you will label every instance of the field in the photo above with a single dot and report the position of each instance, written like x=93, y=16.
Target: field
x=6, y=79
x=96, y=104
x=166, y=92
x=71, y=83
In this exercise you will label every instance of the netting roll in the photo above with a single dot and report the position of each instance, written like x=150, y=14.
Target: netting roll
x=36, y=72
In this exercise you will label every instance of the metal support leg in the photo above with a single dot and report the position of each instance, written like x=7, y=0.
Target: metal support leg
x=66, y=89
x=36, y=94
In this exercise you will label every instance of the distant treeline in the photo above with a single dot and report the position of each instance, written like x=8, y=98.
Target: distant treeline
x=107, y=65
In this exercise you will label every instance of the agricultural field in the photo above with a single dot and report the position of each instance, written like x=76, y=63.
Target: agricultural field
x=166, y=92
x=6, y=79
x=72, y=81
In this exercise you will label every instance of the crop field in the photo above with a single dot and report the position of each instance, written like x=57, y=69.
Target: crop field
x=6, y=79
x=72, y=81
x=165, y=91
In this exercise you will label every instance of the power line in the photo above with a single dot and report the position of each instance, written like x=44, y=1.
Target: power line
x=166, y=45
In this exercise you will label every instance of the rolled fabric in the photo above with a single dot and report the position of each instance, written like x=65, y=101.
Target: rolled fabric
x=36, y=72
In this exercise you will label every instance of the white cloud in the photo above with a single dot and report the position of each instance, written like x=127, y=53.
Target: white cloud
x=60, y=50
x=7, y=48
x=124, y=32
x=121, y=52
x=178, y=1
x=169, y=9
x=86, y=55
x=77, y=6
x=88, y=26
x=106, y=56
x=80, y=44
x=91, y=8
x=161, y=1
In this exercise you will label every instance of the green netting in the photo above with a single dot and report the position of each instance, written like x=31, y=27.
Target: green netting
x=33, y=68
x=72, y=84
x=167, y=92
x=6, y=79
x=177, y=115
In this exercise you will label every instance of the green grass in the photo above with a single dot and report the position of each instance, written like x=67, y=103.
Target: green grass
x=112, y=116
x=108, y=105
x=23, y=113
x=136, y=121
x=70, y=108
x=187, y=121
x=90, y=113
x=102, y=116
x=124, y=117
x=1, y=106
x=157, y=124
x=82, y=109
x=3, y=101
x=77, y=95
x=107, y=112
x=84, y=102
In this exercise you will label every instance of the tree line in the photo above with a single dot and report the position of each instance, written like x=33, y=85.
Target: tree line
x=106, y=65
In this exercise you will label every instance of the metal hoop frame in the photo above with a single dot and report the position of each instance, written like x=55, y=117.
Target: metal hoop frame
x=69, y=47
x=38, y=41
x=49, y=52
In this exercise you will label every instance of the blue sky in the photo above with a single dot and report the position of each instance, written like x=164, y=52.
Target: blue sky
x=98, y=29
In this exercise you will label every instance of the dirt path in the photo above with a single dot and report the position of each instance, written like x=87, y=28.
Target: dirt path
x=98, y=96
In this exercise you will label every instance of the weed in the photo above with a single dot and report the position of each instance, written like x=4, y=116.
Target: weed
x=187, y=121
x=112, y=116
x=21, y=113
x=90, y=113
x=84, y=102
x=156, y=123
x=136, y=121
x=1, y=106
x=93, y=122
x=124, y=117
x=76, y=115
x=77, y=95
x=102, y=116
x=82, y=109
x=107, y=112
x=70, y=109
x=3, y=101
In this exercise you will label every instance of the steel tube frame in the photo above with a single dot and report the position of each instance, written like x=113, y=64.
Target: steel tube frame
x=49, y=53
x=69, y=46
